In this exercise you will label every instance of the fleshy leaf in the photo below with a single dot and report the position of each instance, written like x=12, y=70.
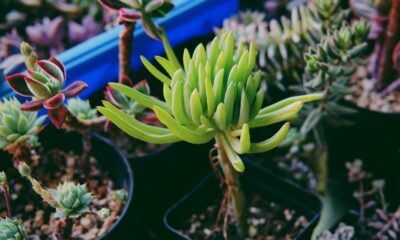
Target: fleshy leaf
x=74, y=89
x=55, y=101
x=57, y=116
x=18, y=85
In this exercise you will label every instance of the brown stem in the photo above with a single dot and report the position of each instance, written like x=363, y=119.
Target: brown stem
x=125, y=49
x=386, y=72
x=63, y=229
x=7, y=198
x=81, y=125
x=234, y=189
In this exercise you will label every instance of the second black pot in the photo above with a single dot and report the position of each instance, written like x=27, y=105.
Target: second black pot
x=262, y=182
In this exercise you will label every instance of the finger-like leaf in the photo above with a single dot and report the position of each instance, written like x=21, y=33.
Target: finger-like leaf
x=220, y=116
x=304, y=98
x=155, y=72
x=235, y=159
x=272, y=142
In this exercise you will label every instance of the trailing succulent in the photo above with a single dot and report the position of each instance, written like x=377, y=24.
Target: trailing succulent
x=282, y=43
x=17, y=126
x=44, y=83
x=11, y=229
x=216, y=94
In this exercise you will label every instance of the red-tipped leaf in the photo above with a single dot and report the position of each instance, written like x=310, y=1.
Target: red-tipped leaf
x=59, y=65
x=17, y=84
x=53, y=70
x=112, y=4
x=128, y=15
x=74, y=89
x=31, y=106
x=54, y=102
x=57, y=116
x=39, y=89
x=143, y=87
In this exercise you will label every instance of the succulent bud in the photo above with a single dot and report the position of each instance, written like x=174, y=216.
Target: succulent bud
x=121, y=195
x=81, y=108
x=3, y=178
x=361, y=31
x=24, y=169
x=17, y=126
x=343, y=38
x=11, y=229
x=71, y=200
x=29, y=55
x=103, y=213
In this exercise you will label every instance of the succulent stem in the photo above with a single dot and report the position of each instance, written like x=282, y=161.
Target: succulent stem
x=321, y=160
x=238, y=200
x=64, y=229
x=6, y=191
x=81, y=125
x=125, y=49
x=385, y=64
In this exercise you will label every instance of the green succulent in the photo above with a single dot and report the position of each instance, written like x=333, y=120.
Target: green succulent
x=103, y=213
x=71, y=200
x=282, y=43
x=121, y=195
x=11, y=229
x=17, y=126
x=81, y=108
x=216, y=95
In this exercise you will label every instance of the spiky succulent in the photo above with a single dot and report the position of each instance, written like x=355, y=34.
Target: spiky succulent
x=17, y=126
x=81, y=108
x=71, y=200
x=134, y=10
x=215, y=95
x=44, y=83
x=282, y=43
x=11, y=229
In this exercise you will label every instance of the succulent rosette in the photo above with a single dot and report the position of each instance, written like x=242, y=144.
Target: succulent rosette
x=11, y=229
x=81, y=109
x=44, y=84
x=17, y=126
x=134, y=10
x=216, y=95
x=71, y=200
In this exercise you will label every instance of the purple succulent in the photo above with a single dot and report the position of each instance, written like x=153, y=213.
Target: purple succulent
x=48, y=34
x=81, y=32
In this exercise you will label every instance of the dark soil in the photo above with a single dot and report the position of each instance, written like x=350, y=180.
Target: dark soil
x=55, y=167
x=267, y=221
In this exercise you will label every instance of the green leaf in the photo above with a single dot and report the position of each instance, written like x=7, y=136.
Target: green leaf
x=271, y=142
x=168, y=50
x=229, y=101
x=279, y=115
x=211, y=104
x=311, y=121
x=244, y=109
x=235, y=160
x=184, y=133
x=139, y=97
x=283, y=103
x=178, y=105
x=195, y=107
x=220, y=116
x=154, y=71
x=167, y=65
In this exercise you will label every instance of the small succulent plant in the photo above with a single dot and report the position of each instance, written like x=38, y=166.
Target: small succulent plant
x=71, y=200
x=44, y=83
x=17, y=126
x=81, y=108
x=48, y=34
x=215, y=95
x=343, y=232
x=121, y=195
x=103, y=213
x=11, y=229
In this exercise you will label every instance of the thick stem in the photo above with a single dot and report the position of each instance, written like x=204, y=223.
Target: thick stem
x=63, y=229
x=321, y=160
x=386, y=72
x=81, y=125
x=233, y=186
x=7, y=199
x=125, y=49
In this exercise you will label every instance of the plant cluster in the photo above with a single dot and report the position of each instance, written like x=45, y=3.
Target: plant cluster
x=215, y=95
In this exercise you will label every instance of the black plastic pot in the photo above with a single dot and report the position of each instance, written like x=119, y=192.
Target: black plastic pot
x=374, y=138
x=257, y=180
x=109, y=159
x=162, y=177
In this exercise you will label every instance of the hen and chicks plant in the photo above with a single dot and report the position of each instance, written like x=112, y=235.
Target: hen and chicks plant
x=215, y=95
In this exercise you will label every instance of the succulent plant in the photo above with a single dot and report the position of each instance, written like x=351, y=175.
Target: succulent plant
x=3, y=178
x=44, y=83
x=129, y=106
x=17, y=126
x=343, y=232
x=103, y=213
x=121, y=195
x=81, y=108
x=48, y=34
x=11, y=229
x=215, y=95
x=71, y=200
x=132, y=11
x=87, y=29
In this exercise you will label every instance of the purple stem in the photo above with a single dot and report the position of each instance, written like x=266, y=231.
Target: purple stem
x=391, y=88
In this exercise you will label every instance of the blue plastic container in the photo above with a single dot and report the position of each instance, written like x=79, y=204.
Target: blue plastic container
x=96, y=60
